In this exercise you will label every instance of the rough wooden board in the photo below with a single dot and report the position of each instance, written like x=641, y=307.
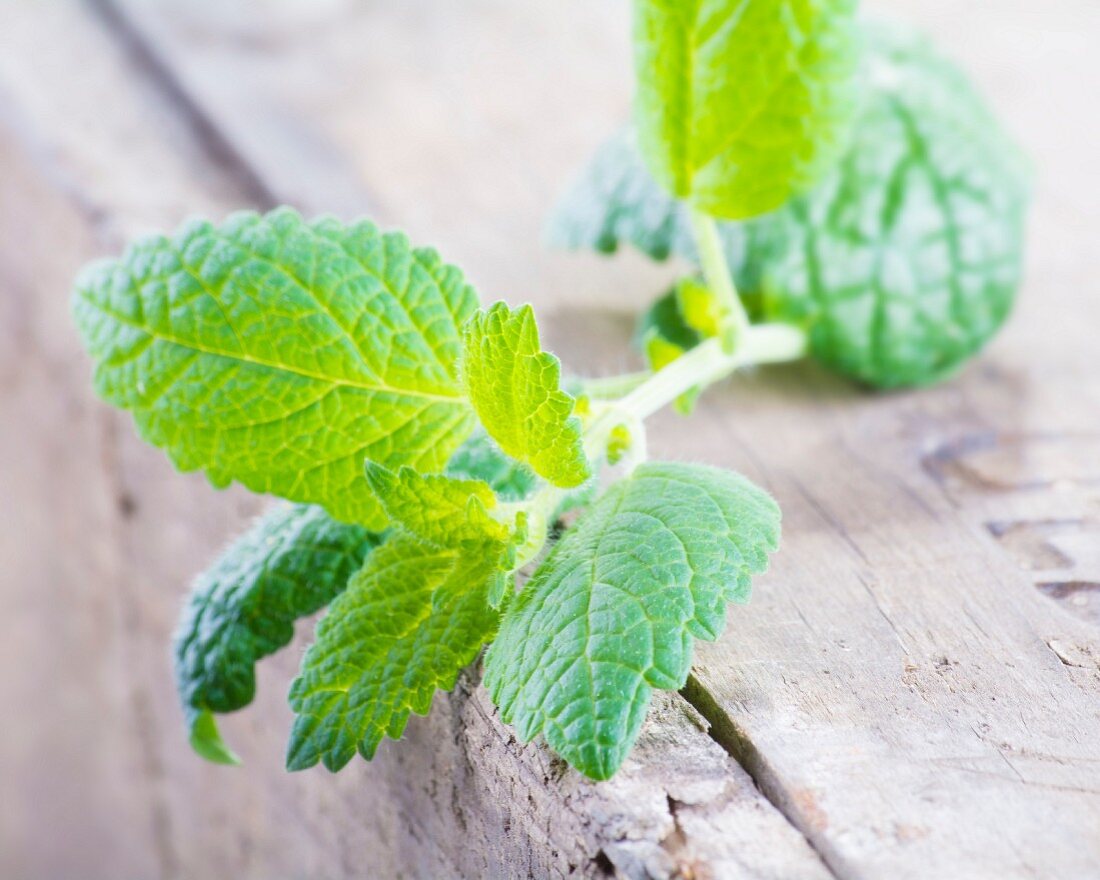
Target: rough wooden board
x=104, y=783
x=900, y=685
x=458, y=122
x=898, y=641
x=82, y=782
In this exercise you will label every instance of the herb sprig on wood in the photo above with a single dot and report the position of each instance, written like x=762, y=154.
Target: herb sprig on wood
x=838, y=191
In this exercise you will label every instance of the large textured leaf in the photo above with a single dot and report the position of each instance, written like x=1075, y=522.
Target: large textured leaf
x=742, y=102
x=906, y=260
x=408, y=622
x=282, y=354
x=515, y=388
x=903, y=261
x=288, y=565
x=613, y=611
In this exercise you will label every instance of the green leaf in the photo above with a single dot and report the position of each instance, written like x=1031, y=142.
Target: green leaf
x=282, y=354
x=742, y=103
x=443, y=512
x=902, y=262
x=439, y=510
x=480, y=458
x=663, y=319
x=515, y=388
x=288, y=565
x=407, y=624
x=699, y=308
x=659, y=352
x=675, y=324
x=207, y=740
x=613, y=611
x=615, y=200
x=906, y=260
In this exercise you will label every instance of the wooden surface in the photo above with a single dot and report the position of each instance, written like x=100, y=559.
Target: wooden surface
x=914, y=691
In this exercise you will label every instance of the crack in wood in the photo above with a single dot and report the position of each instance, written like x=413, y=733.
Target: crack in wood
x=796, y=808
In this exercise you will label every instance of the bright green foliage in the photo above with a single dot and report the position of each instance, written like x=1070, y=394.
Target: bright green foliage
x=699, y=308
x=288, y=565
x=664, y=319
x=659, y=353
x=282, y=354
x=416, y=613
x=906, y=260
x=681, y=318
x=615, y=200
x=339, y=366
x=479, y=458
x=444, y=512
x=206, y=739
x=619, y=443
x=902, y=262
x=742, y=103
x=408, y=622
x=613, y=611
x=515, y=388
x=437, y=509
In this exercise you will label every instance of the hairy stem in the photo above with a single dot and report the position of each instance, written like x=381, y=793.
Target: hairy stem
x=611, y=387
x=646, y=393
x=709, y=362
x=717, y=273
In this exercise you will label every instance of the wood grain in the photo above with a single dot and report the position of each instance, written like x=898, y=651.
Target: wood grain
x=100, y=537
x=916, y=685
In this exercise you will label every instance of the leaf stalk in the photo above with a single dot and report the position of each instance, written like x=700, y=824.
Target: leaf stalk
x=716, y=270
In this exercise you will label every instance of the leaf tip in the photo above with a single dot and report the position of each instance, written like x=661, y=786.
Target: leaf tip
x=206, y=740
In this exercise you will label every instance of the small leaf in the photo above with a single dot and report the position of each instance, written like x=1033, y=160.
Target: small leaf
x=515, y=388
x=659, y=352
x=407, y=624
x=439, y=510
x=699, y=308
x=207, y=740
x=480, y=458
x=282, y=354
x=446, y=513
x=668, y=333
x=613, y=611
x=906, y=260
x=619, y=443
x=615, y=200
x=664, y=319
x=288, y=565
x=742, y=103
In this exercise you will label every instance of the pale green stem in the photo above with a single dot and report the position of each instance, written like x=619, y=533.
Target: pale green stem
x=610, y=387
x=716, y=270
x=703, y=365
x=708, y=362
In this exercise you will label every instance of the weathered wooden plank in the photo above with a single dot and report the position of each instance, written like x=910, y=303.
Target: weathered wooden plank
x=82, y=777
x=459, y=123
x=104, y=782
x=916, y=701
x=900, y=684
